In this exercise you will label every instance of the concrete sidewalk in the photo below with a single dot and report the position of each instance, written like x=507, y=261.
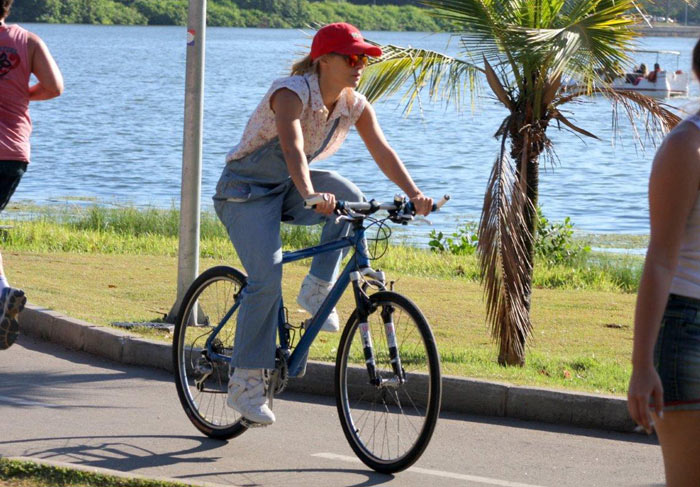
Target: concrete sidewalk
x=468, y=396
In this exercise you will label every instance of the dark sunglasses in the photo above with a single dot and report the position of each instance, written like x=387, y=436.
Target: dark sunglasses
x=354, y=59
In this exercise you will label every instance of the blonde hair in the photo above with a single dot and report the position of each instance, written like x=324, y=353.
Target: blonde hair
x=304, y=65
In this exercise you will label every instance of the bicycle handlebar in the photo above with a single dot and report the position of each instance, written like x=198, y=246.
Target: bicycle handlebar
x=372, y=206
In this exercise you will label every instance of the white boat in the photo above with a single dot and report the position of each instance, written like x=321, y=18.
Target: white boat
x=666, y=84
x=662, y=84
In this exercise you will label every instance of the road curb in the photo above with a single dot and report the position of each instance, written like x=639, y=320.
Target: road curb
x=110, y=472
x=460, y=395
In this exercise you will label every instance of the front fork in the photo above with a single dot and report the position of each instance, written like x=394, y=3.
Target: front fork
x=364, y=308
x=390, y=332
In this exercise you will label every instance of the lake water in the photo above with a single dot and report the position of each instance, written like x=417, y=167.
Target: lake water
x=115, y=136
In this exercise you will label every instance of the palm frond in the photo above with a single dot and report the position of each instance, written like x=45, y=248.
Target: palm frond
x=588, y=39
x=550, y=90
x=413, y=69
x=557, y=115
x=497, y=86
x=503, y=260
x=485, y=19
x=656, y=118
x=485, y=26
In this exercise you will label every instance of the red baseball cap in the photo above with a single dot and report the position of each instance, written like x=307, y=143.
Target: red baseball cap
x=341, y=38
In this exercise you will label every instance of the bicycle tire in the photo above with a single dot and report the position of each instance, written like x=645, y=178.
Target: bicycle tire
x=212, y=294
x=356, y=397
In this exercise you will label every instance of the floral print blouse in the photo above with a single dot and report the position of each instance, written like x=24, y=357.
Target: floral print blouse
x=315, y=122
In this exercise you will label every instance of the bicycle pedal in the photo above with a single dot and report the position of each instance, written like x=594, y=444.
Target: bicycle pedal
x=252, y=424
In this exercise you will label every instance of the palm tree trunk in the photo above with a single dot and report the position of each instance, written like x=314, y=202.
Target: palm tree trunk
x=533, y=182
x=527, y=176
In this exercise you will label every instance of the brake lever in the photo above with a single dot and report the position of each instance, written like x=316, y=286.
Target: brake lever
x=341, y=218
x=423, y=220
x=348, y=215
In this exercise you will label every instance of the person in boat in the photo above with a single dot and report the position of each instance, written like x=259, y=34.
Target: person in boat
x=652, y=76
x=637, y=74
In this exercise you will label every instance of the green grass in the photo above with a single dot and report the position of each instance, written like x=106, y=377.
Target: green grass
x=155, y=232
x=571, y=326
x=14, y=473
x=105, y=266
x=616, y=241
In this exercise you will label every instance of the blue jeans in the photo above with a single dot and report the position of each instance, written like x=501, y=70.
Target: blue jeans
x=677, y=353
x=253, y=196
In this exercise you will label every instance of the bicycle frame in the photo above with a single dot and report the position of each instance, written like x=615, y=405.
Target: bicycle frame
x=296, y=359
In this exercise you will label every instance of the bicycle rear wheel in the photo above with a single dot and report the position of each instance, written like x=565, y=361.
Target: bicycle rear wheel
x=201, y=372
x=390, y=424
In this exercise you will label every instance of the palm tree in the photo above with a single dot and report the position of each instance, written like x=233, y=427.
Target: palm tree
x=524, y=49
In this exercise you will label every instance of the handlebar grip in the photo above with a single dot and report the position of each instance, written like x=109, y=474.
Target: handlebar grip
x=438, y=205
x=435, y=207
x=313, y=201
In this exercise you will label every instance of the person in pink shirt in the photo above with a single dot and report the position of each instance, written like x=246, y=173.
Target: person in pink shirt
x=22, y=54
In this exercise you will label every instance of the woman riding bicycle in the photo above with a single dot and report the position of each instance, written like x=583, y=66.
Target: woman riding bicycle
x=302, y=118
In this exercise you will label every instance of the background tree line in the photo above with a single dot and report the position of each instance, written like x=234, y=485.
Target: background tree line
x=676, y=10
x=396, y=15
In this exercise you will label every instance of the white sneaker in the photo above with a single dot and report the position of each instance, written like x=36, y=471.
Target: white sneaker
x=247, y=395
x=311, y=296
x=12, y=301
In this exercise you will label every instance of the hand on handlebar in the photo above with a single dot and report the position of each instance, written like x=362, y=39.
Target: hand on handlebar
x=422, y=204
x=401, y=210
x=323, y=203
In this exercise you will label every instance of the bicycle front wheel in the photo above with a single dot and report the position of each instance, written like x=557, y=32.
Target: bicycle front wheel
x=202, y=346
x=389, y=421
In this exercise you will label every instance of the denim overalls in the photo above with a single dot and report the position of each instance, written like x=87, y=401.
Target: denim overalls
x=253, y=195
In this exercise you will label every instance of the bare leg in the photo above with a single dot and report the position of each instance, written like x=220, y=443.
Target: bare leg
x=679, y=435
x=3, y=278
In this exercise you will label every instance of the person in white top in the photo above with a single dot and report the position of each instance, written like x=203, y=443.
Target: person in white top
x=302, y=118
x=664, y=390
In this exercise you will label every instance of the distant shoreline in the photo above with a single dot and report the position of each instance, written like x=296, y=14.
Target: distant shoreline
x=657, y=30
x=672, y=30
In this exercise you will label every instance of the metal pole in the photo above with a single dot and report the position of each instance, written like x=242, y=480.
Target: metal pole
x=188, y=254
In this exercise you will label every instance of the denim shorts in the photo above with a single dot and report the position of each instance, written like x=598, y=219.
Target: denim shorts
x=677, y=353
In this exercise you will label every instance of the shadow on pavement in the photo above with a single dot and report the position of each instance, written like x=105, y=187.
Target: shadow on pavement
x=554, y=428
x=373, y=478
x=500, y=421
x=29, y=388
x=117, y=453
x=84, y=358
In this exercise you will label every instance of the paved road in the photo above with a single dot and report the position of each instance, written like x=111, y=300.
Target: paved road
x=73, y=407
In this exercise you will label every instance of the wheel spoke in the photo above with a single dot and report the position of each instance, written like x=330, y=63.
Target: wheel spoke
x=208, y=301
x=393, y=423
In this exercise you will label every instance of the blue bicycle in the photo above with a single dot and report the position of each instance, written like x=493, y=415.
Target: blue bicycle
x=387, y=372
